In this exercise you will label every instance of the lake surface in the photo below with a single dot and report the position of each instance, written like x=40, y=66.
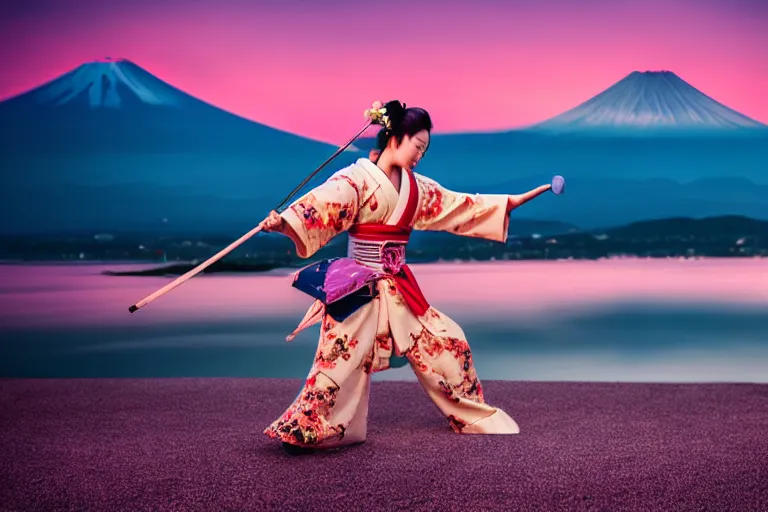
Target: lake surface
x=610, y=320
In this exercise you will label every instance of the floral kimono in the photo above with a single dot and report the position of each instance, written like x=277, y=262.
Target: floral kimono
x=370, y=306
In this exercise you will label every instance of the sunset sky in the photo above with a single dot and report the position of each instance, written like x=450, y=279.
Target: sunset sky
x=313, y=67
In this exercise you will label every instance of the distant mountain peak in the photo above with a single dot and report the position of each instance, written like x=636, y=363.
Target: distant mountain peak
x=107, y=59
x=648, y=72
x=650, y=100
x=108, y=83
x=114, y=104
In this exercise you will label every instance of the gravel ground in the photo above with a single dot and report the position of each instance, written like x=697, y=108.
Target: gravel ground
x=197, y=444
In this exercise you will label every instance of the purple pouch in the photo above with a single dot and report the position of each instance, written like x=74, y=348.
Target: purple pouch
x=346, y=276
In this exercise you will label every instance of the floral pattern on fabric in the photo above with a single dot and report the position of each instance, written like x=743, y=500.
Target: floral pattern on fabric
x=464, y=383
x=393, y=258
x=367, y=364
x=431, y=203
x=333, y=216
x=472, y=215
x=383, y=349
x=456, y=424
x=350, y=182
x=305, y=423
x=393, y=292
x=334, y=345
x=325, y=211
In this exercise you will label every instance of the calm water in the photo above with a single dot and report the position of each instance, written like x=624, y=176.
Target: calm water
x=621, y=320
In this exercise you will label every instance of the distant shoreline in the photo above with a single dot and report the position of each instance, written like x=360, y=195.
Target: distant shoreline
x=216, y=268
x=154, y=269
x=180, y=269
x=675, y=238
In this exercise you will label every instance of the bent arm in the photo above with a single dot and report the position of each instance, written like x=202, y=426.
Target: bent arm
x=322, y=213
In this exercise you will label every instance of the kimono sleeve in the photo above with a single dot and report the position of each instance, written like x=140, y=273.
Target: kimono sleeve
x=472, y=215
x=324, y=212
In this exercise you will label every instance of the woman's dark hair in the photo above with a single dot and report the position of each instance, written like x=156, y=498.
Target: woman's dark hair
x=404, y=121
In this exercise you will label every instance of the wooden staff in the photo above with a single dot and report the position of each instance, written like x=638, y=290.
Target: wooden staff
x=192, y=273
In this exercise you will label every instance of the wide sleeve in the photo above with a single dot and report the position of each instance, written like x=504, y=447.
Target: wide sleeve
x=472, y=215
x=322, y=213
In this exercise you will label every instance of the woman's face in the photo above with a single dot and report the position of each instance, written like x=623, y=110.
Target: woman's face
x=411, y=150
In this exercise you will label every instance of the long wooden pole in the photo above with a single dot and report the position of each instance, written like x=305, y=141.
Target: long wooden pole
x=210, y=261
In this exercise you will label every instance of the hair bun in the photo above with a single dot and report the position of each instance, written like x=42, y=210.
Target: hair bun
x=395, y=112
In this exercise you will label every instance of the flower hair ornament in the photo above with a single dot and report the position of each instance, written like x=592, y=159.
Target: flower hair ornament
x=385, y=114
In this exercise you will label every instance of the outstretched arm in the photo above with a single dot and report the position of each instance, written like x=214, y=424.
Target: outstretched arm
x=521, y=199
x=473, y=215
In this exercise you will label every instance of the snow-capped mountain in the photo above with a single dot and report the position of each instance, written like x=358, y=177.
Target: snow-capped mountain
x=652, y=101
x=110, y=144
x=108, y=83
x=114, y=104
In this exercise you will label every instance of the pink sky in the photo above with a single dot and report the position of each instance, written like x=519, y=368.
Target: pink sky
x=312, y=68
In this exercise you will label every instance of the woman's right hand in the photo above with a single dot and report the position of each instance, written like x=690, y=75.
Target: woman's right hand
x=274, y=222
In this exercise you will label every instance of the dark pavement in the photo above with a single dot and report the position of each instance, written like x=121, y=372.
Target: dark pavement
x=197, y=444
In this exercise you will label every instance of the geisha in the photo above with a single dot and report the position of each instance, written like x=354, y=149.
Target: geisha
x=369, y=306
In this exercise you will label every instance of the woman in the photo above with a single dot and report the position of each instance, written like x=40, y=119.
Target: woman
x=369, y=304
